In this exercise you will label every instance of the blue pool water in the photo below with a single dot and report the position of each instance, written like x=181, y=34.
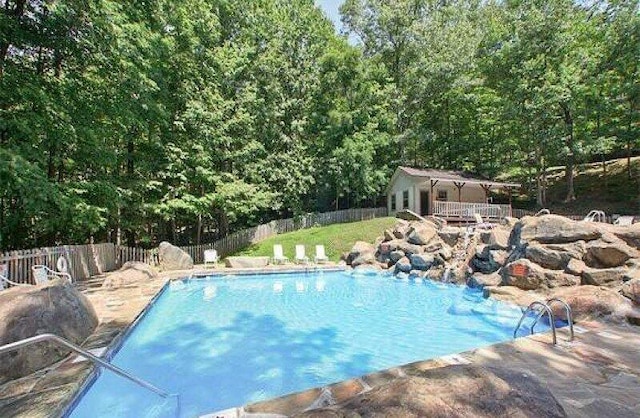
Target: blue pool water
x=224, y=342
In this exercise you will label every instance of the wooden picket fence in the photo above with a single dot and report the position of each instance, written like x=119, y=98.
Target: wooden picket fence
x=84, y=261
x=519, y=213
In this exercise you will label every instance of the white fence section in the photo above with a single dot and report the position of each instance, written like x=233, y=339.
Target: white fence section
x=89, y=260
x=463, y=211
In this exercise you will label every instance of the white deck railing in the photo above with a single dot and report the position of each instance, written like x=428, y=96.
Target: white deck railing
x=464, y=210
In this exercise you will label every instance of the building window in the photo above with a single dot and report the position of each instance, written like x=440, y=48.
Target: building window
x=405, y=199
x=442, y=195
x=393, y=202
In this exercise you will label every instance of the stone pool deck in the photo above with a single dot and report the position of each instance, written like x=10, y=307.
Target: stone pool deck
x=596, y=375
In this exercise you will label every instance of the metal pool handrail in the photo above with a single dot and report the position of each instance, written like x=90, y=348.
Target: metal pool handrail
x=94, y=359
x=546, y=309
x=567, y=309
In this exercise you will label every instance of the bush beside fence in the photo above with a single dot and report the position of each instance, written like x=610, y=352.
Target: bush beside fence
x=89, y=260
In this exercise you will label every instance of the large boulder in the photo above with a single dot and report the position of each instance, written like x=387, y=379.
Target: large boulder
x=409, y=248
x=401, y=230
x=388, y=235
x=366, y=258
x=421, y=233
x=629, y=234
x=445, y=252
x=399, y=245
x=383, y=259
x=552, y=229
x=173, y=258
x=496, y=238
x=435, y=273
x=487, y=260
x=528, y=275
x=575, y=267
x=631, y=289
x=554, y=256
x=603, y=277
x=512, y=294
x=403, y=265
x=422, y=261
x=451, y=391
x=56, y=307
x=482, y=280
x=361, y=248
x=131, y=273
x=593, y=301
x=450, y=235
x=601, y=254
x=509, y=221
x=396, y=255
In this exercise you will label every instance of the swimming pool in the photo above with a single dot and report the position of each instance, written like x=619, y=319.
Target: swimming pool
x=221, y=342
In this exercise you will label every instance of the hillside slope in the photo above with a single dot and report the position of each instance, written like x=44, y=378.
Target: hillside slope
x=337, y=238
x=613, y=193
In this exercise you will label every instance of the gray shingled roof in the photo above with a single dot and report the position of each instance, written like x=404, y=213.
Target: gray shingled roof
x=451, y=175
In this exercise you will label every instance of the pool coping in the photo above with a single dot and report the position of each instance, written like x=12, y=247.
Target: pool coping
x=113, y=343
x=116, y=344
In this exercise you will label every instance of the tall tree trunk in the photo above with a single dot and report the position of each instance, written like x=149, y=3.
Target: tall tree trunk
x=2, y=241
x=543, y=163
x=199, y=230
x=598, y=138
x=118, y=227
x=539, y=186
x=127, y=214
x=51, y=163
x=569, y=172
x=629, y=143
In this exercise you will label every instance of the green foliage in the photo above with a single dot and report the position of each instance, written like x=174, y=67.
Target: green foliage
x=138, y=121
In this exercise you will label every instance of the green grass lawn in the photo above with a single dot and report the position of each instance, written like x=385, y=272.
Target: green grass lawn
x=337, y=239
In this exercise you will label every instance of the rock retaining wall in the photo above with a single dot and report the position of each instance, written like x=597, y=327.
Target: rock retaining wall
x=596, y=267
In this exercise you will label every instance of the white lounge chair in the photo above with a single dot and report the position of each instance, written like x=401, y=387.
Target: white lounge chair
x=4, y=282
x=321, y=256
x=624, y=221
x=300, y=254
x=278, y=255
x=595, y=216
x=210, y=256
x=543, y=211
x=42, y=274
x=480, y=223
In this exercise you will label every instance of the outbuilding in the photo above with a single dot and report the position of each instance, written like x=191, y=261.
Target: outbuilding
x=453, y=195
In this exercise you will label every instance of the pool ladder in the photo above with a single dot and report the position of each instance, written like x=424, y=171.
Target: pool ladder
x=546, y=308
x=94, y=359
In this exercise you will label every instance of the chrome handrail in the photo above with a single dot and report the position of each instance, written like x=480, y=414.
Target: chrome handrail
x=546, y=309
x=96, y=360
x=569, y=312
